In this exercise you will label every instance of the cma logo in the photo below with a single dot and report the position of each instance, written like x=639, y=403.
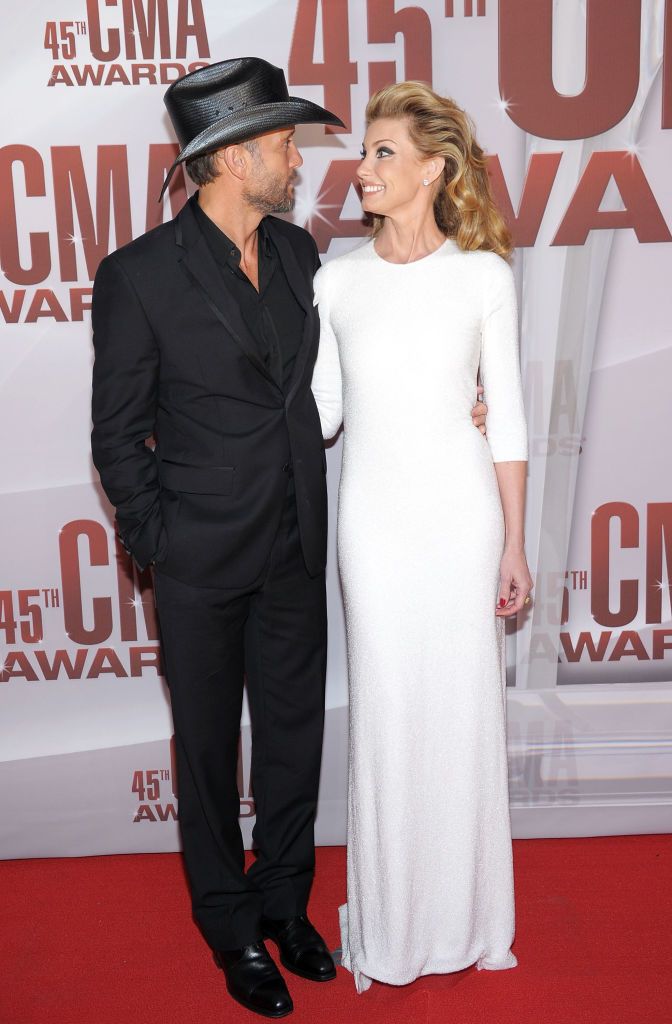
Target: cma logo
x=145, y=29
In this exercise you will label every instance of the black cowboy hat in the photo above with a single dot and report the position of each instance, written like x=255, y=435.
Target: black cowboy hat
x=232, y=101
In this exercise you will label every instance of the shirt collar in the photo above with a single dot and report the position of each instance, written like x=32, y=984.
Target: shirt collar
x=223, y=248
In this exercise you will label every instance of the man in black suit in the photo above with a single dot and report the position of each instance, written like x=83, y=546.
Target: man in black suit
x=205, y=336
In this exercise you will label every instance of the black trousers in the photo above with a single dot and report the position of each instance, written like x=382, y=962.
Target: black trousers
x=274, y=634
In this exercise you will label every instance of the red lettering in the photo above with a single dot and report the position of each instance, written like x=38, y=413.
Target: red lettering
x=61, y=660
x=383, y=26
x=106, y=661
x=599, y=595
x=641, y=212
x=169, y=73
x=70, y=182
x=116, y=75
x=85, y=74
x=98, y=50
x=142, y=658
x=17, y=666
x=144, y=813
x=195, y=28
x=169, y=812
x=59, y=76
x=629, y=644
x=585, y=643
x=337, y=72
x=526, y=76
x=325, y=223
x=12, y=313
x=666, y=120
x=7, y=620
x=138, y=25
x=143, y=72
x=541, y=173
x=662, y=641
x=45, y=304
x=658, y=558
x=80, y=300
x=73, y=610
x=33, y=172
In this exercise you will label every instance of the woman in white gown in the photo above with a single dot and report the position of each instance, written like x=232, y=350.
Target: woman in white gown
x=430, y=543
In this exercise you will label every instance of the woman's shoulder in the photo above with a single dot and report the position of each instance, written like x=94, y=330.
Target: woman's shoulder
x=340, y=268
x=490, y=273
x=489, y=263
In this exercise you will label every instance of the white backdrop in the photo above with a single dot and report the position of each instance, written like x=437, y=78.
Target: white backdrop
x=572, y=101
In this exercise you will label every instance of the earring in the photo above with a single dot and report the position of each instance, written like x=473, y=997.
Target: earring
x=425, y=181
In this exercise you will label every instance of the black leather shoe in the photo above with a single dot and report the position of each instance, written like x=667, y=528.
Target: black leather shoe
x=301, y=948
x=254, y=981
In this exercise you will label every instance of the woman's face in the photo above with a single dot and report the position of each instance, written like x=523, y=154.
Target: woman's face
x=392, y=171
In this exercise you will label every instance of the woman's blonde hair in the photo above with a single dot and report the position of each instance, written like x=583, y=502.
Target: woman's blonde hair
x=463, y=205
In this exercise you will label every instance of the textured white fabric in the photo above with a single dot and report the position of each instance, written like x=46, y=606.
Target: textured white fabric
x=420, y=536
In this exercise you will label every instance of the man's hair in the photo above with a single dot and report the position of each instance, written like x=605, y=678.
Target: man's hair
x=203, y=169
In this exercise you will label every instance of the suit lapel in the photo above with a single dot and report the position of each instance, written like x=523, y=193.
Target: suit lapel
x=300, y=281
x=199, y=265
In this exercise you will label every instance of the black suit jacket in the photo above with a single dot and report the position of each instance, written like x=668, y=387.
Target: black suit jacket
x=174, y=358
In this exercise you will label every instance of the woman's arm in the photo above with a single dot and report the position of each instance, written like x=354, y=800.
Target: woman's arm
x=507, y=429
x=327, y=386
x=515, y=581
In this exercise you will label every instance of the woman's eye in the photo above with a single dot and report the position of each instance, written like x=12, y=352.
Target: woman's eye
x=362, y=153
x=384, y=151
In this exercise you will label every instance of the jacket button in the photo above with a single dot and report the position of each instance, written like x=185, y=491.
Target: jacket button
x=287, y=468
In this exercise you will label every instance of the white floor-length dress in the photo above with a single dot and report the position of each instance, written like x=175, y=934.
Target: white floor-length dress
x=420, y=538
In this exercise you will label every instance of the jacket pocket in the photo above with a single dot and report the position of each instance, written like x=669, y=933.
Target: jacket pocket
x=178, y=476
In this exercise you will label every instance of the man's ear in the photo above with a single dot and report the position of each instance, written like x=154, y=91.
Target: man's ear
x=236, y=159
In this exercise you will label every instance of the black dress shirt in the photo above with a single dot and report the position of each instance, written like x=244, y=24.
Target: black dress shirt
x=273, y=315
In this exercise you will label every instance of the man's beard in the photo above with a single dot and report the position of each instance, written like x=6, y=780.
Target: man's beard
x=270, y=195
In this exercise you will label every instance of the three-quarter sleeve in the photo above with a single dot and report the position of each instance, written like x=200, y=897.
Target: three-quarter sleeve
x=500, y=365
x=327, y=385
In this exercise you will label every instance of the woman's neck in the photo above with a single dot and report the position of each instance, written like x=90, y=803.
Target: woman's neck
x=403, y=241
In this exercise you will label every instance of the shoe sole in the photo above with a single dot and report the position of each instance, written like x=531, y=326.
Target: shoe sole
x=255, y=1009
x=306, y=974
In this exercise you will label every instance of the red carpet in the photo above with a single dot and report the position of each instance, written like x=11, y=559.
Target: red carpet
x=109, y=940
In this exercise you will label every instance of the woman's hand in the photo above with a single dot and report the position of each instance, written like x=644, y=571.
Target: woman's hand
x=479, y=411
x=515, y=583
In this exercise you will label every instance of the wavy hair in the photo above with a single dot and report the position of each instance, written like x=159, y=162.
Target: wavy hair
x=463, y=204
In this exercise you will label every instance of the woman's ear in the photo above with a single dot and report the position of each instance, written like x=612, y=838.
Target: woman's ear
x=434, y=168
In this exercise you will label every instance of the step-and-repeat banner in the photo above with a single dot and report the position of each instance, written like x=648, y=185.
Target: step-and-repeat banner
x=573, y=101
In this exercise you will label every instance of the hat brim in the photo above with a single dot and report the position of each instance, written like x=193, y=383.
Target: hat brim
x=249, y=123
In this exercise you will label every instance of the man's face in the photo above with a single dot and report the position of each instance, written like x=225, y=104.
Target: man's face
x=275, y=159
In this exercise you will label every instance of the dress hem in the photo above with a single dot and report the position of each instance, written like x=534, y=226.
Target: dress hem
x=363, y=980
